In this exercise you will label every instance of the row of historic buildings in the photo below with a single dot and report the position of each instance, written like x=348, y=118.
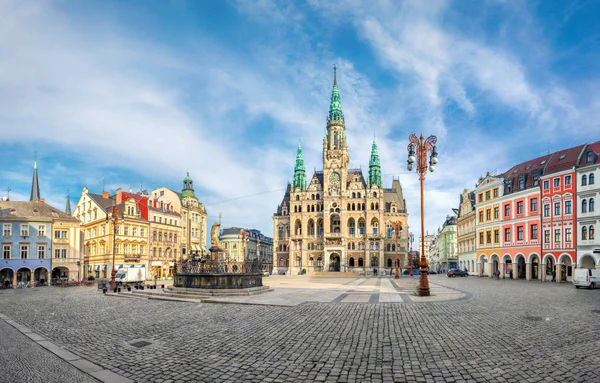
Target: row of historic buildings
x=537, y=220
x=40, y=243
x=147, y=229
x=337, y=219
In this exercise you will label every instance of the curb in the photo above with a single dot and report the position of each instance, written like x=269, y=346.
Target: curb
x=97, y=372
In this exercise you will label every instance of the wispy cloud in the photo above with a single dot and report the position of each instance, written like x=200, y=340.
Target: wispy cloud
x=106, y=103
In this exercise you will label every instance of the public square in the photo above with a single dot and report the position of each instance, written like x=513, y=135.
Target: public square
x=485, y=330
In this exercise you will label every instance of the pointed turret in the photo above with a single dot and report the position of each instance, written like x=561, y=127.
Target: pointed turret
x=335, y=107
x=68, y=206
x=188, y=187
x=299, y=171
x=374, y=167
x=35, y=186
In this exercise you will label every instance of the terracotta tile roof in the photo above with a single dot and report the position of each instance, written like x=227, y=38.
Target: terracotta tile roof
x=594, y=147
x=526, y=168
x=563, y=159
x=544, y=165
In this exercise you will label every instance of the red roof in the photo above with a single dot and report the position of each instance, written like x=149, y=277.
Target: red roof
x=526, y=168
x=563, y=159
x=142, y=202
x=547, y=164
x=594, y=147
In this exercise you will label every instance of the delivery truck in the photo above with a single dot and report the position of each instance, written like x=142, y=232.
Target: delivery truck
x=131, y=276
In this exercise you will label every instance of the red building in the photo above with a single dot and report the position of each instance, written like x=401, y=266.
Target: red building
x=538, y=216
x=520, y=250
x=559, y=212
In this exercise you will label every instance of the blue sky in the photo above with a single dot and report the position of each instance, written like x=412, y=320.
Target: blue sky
x=139, y=92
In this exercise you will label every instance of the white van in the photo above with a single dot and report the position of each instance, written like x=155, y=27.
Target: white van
x=589, y=278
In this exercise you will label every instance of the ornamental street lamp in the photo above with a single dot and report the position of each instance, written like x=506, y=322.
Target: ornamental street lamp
x=114, y=219
x=397, y=228
x=418, y=148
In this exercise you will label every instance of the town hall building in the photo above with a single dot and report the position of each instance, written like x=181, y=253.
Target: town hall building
x=338, y=220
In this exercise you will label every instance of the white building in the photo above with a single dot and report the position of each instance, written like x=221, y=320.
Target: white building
x=588, y=215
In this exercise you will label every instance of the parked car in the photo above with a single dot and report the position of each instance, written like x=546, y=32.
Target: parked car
x=589, y=278
x=456, y=273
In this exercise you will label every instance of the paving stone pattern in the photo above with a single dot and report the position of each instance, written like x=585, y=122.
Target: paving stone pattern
x=484, y=338
x=22, y=360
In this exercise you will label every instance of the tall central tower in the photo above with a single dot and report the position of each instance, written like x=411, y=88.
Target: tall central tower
x=335, y=148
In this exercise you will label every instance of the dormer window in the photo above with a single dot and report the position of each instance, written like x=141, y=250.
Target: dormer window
x=589, y=157
x=522, y=179
x=562, y=157
x=508, y=186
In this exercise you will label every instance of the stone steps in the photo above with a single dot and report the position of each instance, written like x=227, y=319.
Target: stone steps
x=333, y=274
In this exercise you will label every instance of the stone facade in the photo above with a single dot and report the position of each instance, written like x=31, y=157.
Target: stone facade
x=237, y=250
x=337, y=220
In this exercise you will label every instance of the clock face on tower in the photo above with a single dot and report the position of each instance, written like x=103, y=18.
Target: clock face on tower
x=334, y=178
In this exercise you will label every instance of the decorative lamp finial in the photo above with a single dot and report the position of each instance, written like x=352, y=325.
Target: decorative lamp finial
x=334, y=75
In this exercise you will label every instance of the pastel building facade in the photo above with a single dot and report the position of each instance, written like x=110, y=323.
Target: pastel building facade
x=488, y=220
x=588, y=213
x=38, y=242
x=558, y=216
x=465, y=231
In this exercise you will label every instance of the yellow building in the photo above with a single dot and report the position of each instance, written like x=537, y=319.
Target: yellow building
x=128, y=240
x=67, y=260
x=339, y=221
x=192, y=220
x=465, y=226
x=488, y=218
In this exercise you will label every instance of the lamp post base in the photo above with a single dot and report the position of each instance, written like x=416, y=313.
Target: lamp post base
x=113, y=282
x=423, y=290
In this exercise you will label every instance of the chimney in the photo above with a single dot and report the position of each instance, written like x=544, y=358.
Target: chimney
x=119, y=195
x=105, y=194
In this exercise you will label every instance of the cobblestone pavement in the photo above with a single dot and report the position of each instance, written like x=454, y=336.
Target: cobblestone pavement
x=505, y=331
x=22, y=360
x=295, y=290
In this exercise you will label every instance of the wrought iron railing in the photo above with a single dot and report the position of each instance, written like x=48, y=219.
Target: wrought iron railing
x=209, y=266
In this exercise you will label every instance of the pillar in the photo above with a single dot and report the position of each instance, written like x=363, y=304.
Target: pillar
x=527, y=271
x=558, y=273
x=502, y=270
x=515, y=269
x=543, y=272
x=489, y=269
x=32, y=279
x=14, y=282
x=479, y=268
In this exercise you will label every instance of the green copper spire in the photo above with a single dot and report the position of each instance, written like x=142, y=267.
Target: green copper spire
x=374, y=167
x=299, y=171
x=335, y=108
x=188, y=187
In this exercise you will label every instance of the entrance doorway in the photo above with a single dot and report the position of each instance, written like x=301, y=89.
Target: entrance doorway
x=522, y=272
x=334, y=262
x=535, y=268
x=6, y=278
x=23, y=277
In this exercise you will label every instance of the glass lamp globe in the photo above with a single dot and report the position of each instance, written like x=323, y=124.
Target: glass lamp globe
x=411, y=159
x=409, y=167
x=434, y=160
x=431, y=168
